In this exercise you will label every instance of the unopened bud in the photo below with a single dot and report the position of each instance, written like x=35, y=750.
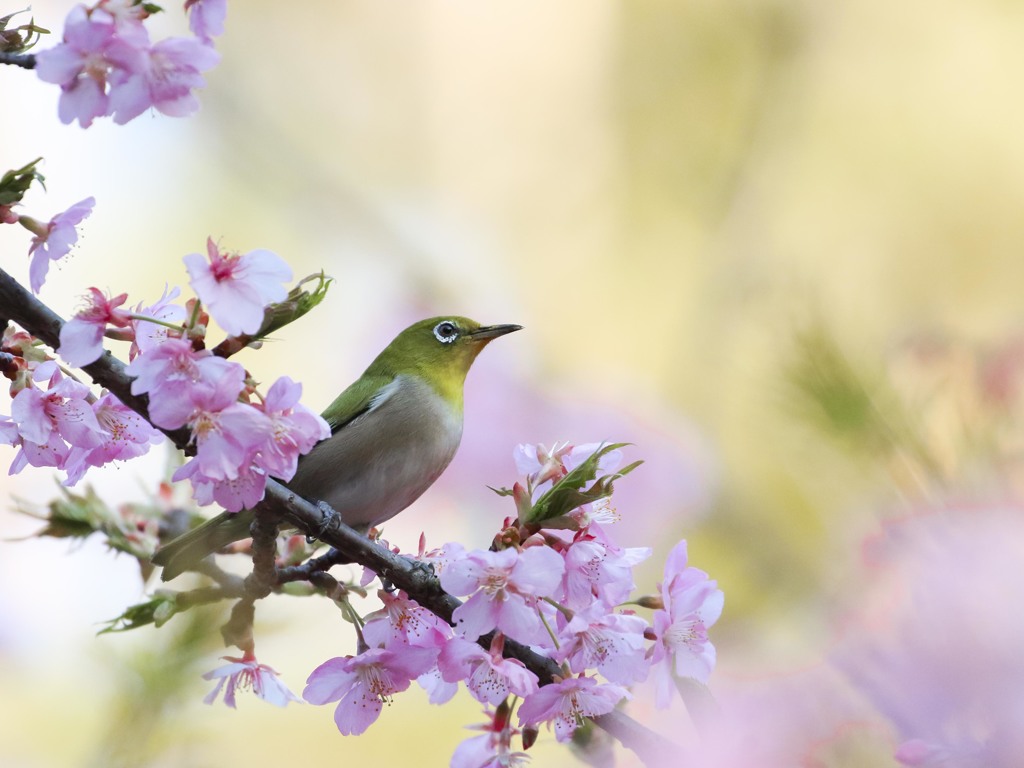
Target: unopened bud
x=522, y=499
x=501, y=716
x=529, y=736
x=650, y=601
x=507, y=538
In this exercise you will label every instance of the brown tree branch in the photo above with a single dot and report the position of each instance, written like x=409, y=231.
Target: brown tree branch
x=23, y=60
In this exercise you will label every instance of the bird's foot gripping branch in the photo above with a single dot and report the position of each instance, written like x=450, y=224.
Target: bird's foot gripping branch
x=549, y=632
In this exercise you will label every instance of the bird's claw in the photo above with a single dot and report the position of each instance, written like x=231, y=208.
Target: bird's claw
x=330, y=516
x=424, y=567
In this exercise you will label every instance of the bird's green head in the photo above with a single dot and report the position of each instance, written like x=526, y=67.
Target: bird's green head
x=439, y=350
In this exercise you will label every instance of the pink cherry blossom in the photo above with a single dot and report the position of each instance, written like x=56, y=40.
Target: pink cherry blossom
x=53, y=452
x=50, y=423
x=206, y=18
x=63, y=409
x=296, y=429
x=125, y=435
x=93, y=51
x=612, y=643
x=439, y=690
x=243, y=491
x=491, y=749
x=227, y=436
x=504, y=586
x=165, y=79
x=81, y=337
x=363, y=684
x=247, y=673
x=692, y=603
x=565, y=704
x=171, y=370
x=540, y=463
x=54, y=240
x=127, y=16
x=404, y=621
x=441, y=557
x=489, y=676
x=9, y=431
x=596, y=569
x=236, y=288
x=148, y=334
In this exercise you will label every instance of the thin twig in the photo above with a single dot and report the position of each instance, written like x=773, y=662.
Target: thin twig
x=233, y=586
x=311, y=567
x=205, y=595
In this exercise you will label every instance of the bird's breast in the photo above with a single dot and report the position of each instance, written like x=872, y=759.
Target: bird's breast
x=378, y=464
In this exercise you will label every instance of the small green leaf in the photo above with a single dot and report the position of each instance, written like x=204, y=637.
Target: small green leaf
x=14, y=184
x=155, y=611
x=501, y=491
x=568, y=493
x=19, y=39
x=74, y=516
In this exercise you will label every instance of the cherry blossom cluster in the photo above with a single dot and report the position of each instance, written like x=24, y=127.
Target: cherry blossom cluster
x=61, y=424
x=239, y=436
x=107, y=65
x=561, y=587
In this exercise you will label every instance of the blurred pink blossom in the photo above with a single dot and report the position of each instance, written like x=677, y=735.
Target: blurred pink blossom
x=491, y=749
x=94, y=49
x=692, y=603
x=935, y=644
x=247, y=673
x=165, y=79
x=206, y=18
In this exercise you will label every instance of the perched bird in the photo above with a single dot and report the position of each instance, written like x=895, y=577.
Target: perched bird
x=393, y=432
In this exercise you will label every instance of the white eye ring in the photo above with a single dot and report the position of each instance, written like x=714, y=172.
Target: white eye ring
x=446, y=332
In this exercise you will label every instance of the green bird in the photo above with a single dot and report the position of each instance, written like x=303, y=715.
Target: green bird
x=393, y=432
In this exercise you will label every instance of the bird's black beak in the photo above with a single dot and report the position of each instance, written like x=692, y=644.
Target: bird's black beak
x=488, y=332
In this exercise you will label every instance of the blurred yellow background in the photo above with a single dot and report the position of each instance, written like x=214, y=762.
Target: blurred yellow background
x=664, y=193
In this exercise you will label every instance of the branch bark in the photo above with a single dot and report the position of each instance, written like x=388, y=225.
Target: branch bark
x=23, y=60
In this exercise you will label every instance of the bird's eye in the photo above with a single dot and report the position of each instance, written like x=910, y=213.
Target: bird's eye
x=446, y=331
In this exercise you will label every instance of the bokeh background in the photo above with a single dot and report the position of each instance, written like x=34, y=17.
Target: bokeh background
x=776, y=244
